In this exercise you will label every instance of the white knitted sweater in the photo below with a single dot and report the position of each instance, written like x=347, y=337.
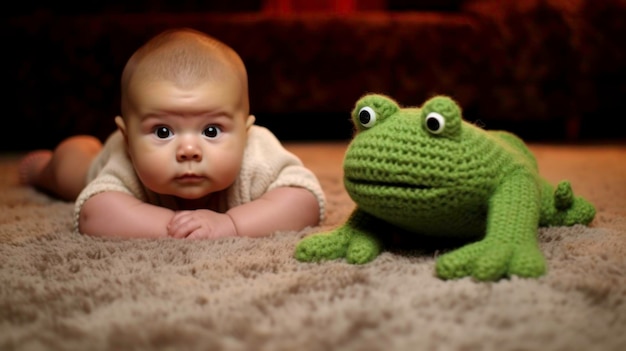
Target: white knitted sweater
x=266, y=165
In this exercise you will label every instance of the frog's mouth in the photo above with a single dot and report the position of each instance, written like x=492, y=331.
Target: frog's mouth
x=387, y=184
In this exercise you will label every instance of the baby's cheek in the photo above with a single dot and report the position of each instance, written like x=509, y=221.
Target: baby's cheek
x=152, y=169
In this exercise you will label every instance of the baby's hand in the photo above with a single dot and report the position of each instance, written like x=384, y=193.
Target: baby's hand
x=198, y=224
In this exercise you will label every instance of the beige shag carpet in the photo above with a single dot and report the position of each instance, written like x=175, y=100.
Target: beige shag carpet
x=61, y=291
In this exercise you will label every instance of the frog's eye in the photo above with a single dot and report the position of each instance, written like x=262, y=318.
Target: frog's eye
x=367, y=117
x=435, y=123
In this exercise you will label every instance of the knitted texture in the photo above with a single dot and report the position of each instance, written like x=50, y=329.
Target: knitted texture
x=423, y=171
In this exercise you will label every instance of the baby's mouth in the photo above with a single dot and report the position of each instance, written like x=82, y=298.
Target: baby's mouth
x=189, y=178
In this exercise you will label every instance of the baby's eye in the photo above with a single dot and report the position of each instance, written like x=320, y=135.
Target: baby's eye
x=163, y=132
x=212, y=132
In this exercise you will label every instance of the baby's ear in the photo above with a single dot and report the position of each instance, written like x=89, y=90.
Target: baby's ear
x=250, y=121
x=121, y=125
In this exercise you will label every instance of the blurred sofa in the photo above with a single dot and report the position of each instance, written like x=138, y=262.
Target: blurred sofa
x=547, y=70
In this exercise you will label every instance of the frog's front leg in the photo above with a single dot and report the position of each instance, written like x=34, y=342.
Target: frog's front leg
x=510, y=245
x=353, y=240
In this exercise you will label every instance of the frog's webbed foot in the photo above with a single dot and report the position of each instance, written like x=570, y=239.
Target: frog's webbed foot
x=568, y=209
x=323, y=246
x=343, y=242
x=363, y=248
x=488, y=260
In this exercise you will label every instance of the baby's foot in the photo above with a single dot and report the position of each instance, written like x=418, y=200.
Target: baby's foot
x=32, y=164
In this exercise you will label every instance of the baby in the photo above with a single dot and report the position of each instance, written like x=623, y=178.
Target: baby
x=186, y=160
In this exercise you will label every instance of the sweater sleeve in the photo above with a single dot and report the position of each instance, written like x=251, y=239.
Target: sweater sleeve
x=268, y=165
x=112, y=170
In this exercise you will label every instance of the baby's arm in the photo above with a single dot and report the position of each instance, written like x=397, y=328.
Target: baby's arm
x=285, y=208
x=117, y=214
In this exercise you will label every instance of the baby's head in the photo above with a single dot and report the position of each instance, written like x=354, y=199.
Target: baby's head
x=185, y=113
x=186, y=58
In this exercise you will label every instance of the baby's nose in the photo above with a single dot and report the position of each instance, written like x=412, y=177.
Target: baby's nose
x=189, y=150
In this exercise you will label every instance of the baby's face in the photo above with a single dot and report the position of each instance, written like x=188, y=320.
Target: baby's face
x=186, y=142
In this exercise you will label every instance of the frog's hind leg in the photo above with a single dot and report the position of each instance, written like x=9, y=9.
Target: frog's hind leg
x=560, y=207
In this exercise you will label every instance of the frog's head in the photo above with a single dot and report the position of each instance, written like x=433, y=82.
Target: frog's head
x=403, y=161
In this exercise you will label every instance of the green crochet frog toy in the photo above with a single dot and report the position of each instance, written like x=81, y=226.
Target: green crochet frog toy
x=426, y=172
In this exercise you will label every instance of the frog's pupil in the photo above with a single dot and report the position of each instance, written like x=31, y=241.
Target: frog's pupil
x=432, y=124
x=364, y=117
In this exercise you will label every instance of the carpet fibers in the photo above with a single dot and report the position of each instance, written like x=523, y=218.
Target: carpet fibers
x=63, y=291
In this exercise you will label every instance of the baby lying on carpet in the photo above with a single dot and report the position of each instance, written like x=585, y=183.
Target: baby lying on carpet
x=187, y=160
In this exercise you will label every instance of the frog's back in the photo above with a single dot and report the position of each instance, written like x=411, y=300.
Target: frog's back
x=514, y=145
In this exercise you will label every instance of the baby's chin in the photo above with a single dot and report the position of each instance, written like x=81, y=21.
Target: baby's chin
x=188, y=191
